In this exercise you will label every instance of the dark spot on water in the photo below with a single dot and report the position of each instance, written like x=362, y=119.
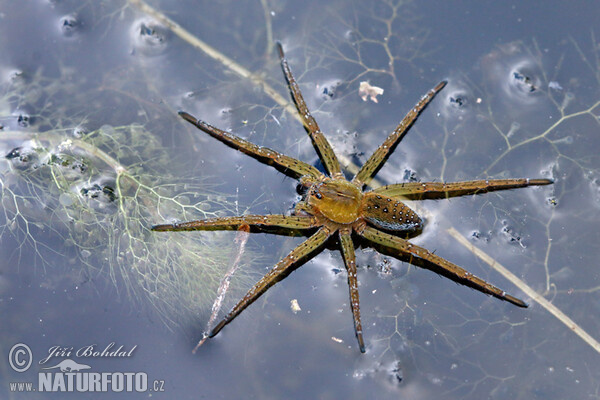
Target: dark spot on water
x=77, y=166
x=152, y=33
x=457, y=101
x=14, y=153
x=68, y=25
x=149, y=37
x=410, y=176
x=79, y=132
x=57, y=160
x=512, y=236
x=104, y=193
x=22, y=158
x=396, y=373
x=23, y=120
x=524, y=82
x=329, y=90
x=478, y=235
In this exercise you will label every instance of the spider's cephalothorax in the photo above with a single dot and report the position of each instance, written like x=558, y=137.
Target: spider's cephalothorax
x=342, y=204
x=337, y=200
x=334, y=205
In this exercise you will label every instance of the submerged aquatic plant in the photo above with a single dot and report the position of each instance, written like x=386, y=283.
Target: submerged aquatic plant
x=87, y=198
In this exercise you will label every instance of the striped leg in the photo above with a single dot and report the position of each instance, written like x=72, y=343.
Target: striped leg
x=370, y=168
x=321, y=144
x=424, y=258
x=437, y=190
x=234, y=223
x=281, y=270
x=350, y=261
x=287, y=165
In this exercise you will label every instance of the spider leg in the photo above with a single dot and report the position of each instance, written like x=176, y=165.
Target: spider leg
x=233, y=223
x=376, y=161
x=287, y=165
x=280, y=271
x=419, y=256
x=350, y=261
x=321, y=144
x=438, y=190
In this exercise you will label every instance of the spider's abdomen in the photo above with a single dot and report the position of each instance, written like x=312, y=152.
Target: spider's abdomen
x=337, y=199
x=389, y=214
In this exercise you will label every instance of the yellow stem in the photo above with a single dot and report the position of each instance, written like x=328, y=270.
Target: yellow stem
x=548, y=306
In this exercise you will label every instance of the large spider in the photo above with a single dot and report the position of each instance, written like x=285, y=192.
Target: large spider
x=333, y=205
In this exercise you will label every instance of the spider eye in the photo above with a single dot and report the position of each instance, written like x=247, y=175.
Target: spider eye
x=318, y=195
x=301, y=190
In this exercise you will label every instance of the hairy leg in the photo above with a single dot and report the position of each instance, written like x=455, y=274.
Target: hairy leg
x=319, y=141
x=376, y=161
x=350, y=261
x=234, y=223
x=287, y=165
x=426, y=259
x=281, y=270
x=438, y=190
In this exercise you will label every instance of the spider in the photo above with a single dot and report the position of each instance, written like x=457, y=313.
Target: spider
x=334, y=206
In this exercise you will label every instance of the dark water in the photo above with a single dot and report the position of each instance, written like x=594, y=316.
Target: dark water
x=95, y=154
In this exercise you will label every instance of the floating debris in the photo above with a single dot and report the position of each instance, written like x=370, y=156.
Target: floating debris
x=555, y=85
x=295, y=306
x=365, y=90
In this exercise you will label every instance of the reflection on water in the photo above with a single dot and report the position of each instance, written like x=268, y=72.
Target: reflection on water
x=93, y=154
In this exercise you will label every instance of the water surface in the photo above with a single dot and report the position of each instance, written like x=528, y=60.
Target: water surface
x=81, y=267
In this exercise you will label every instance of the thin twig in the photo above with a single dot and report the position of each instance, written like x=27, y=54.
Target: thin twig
x=241, y=239
x=551, y=308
